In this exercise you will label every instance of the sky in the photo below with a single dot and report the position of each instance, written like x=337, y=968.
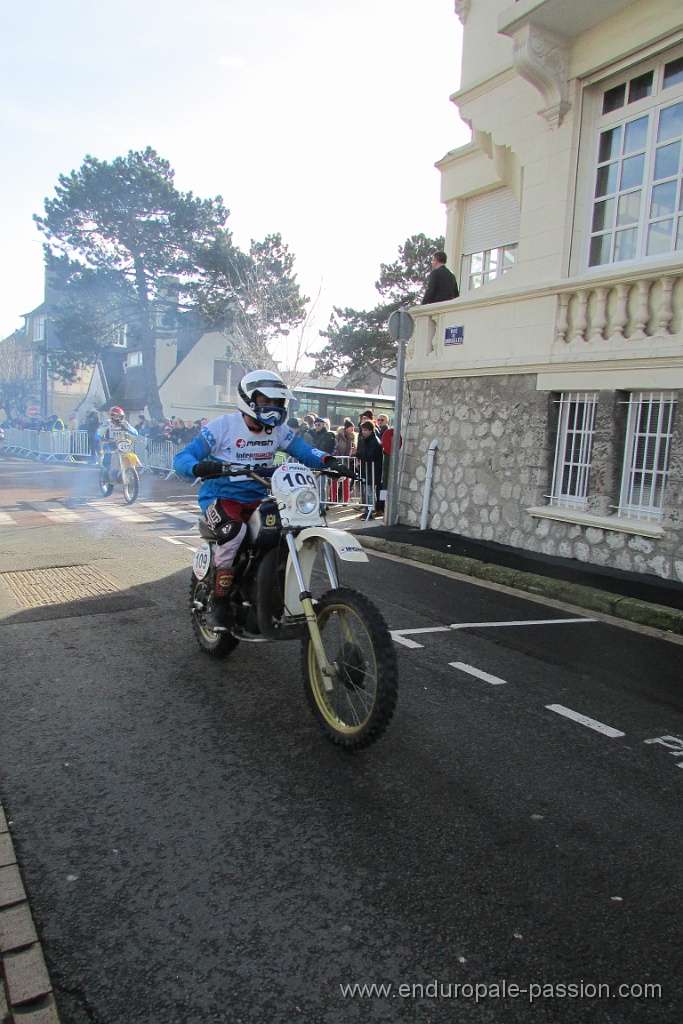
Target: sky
x=318, y=119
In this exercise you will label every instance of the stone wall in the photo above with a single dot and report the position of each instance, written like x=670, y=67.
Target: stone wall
x=496, y=437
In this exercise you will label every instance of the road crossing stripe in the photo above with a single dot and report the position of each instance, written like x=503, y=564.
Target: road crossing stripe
x=477, y=673
x=56, y=513
x=171, y=510
x=121, y=513
x=606, y=730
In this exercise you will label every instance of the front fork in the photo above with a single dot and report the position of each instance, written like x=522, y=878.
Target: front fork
x=328, y=671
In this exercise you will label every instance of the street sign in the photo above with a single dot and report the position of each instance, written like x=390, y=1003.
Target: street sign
x=454, y=336
x=32, y=410
x=401, y=325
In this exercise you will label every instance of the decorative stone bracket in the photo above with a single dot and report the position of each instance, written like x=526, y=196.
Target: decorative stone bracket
x=541, y=58
x=462, y=9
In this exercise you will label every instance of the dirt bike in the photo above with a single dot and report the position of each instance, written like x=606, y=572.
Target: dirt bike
x=122, y=469
x=348, y=659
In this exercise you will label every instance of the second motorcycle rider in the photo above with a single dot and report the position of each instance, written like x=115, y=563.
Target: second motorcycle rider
x=250, y=437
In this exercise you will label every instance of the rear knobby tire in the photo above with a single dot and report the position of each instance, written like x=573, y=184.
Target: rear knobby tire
x=364, y=692
x=215, y=645
x=131, y=484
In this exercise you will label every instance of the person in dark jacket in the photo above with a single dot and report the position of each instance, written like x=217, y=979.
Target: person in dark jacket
x=370, y=456
x=441, y=283
x=323, y=438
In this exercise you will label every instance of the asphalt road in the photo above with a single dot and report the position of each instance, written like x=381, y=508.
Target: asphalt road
x=194, y=850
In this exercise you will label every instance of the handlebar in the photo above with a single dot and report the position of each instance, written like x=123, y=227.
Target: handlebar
x=262, y=474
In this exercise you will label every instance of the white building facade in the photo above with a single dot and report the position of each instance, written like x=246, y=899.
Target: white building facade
x=554, y=383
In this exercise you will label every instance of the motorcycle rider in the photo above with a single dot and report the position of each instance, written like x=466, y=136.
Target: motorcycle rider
x=250, y=437
x=113, y=430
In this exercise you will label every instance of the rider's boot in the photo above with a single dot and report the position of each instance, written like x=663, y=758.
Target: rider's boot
x=219, y=618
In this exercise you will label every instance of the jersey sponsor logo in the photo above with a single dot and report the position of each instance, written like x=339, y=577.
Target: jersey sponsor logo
x=241, y=443
x=208, y=437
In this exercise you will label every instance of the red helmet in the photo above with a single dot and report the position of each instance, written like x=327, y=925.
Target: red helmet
x=116, y=414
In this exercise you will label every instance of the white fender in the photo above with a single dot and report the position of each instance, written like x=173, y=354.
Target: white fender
x=308, y=543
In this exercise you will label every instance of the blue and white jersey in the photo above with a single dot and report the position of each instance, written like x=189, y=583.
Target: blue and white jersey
x=115, y=432
x=229, y=439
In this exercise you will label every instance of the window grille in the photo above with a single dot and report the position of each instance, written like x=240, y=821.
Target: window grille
x=574, y=448
x=646, y=453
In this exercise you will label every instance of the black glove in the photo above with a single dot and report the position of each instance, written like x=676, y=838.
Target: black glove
x=207, y=468
x=340, y=468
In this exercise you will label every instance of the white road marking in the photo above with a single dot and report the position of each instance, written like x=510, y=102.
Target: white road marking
x=477, y=672
x=400, y=635
x=121, y=513
x=170, y=510
x=674, y=744
x=56, y=513
x=606, y=730
x=183, y=542
x=519, y=622
x=6, y=519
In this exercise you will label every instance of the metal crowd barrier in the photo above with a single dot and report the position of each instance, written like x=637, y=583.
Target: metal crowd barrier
x=156, y=456
x=46, y=445
x=359, y=494
x=75, y=446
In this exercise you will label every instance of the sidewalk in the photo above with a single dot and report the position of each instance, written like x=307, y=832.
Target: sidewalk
x=25, y=990
x=648, y=600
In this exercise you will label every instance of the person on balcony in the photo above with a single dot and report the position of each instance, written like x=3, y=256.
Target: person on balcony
x=441, y=283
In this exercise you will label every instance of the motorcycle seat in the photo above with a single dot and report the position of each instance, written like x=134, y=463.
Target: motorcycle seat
x=205, y=530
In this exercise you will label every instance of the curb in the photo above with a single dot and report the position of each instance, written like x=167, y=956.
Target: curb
x=25, y=991
x=633, y=610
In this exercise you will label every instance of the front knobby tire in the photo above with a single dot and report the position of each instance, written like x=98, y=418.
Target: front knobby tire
x=131, y=485
x=357, y=642
x=215, y=645
x=105, y=486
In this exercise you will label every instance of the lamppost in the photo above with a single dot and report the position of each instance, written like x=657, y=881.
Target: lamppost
x=400, y=327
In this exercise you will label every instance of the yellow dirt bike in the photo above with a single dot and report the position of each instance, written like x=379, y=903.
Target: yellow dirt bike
x=122, y=469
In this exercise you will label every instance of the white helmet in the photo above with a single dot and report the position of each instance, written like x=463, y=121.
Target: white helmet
x=272, y=386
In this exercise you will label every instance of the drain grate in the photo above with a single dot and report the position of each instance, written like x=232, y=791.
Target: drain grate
x=35, y=588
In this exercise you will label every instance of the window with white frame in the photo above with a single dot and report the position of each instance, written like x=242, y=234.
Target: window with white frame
x=573, y=449
x=134, y=359
x=39, y=325
x=481, y=267
x=637, y=201
x=646, y=453
x=120, y=339
x=489, y=237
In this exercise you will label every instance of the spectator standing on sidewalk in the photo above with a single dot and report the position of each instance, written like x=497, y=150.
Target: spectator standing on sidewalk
x=382, y=423
x=371, y=456
x=322, y=435
x=344, y=447
x=387, y=441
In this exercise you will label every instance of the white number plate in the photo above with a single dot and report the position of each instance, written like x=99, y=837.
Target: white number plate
x=124, y=446
x=202, y=560
x=292, y=477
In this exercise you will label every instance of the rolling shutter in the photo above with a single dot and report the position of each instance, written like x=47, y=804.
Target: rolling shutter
x=491, y=220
